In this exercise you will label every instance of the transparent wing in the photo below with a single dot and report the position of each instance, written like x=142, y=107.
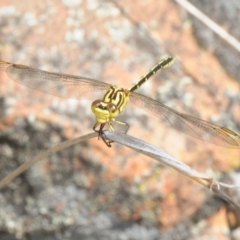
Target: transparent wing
x=62, y=85
x=187, y=124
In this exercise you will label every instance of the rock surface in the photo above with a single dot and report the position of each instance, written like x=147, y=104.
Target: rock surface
x=90, y=191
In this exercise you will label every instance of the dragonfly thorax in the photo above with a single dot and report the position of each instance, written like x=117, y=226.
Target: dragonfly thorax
x=113, y=103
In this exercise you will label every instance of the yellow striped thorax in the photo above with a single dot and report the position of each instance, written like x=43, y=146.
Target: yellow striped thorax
x=113, y=103
x=116, y=99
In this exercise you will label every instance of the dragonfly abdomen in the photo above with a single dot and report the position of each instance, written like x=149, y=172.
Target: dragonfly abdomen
x=166, y=62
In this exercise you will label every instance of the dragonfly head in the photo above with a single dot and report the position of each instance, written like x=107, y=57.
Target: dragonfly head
x=104, y=112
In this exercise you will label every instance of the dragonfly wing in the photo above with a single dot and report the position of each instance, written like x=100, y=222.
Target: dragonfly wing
x=62, y=85
x=187, y=124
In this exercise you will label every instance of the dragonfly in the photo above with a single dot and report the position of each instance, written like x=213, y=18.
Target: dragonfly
x=112, y=100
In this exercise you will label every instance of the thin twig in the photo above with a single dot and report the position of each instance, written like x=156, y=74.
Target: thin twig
x=44, y=155
x=165, y=158
x=211, y=24
x=138, y=145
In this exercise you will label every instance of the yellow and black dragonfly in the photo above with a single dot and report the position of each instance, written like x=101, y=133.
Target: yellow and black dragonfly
x=113, y=100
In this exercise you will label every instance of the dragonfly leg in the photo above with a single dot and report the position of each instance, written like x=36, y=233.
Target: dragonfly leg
x=105, y=140
x=101, y=133
x=95, y=128
x=123, y=123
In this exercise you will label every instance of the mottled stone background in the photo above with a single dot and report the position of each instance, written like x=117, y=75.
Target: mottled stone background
x=90, y=191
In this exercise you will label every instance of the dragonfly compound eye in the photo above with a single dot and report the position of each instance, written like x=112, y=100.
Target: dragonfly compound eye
x=98, y=106
x=97, y=103
x=112, y=107
x=113, y=110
